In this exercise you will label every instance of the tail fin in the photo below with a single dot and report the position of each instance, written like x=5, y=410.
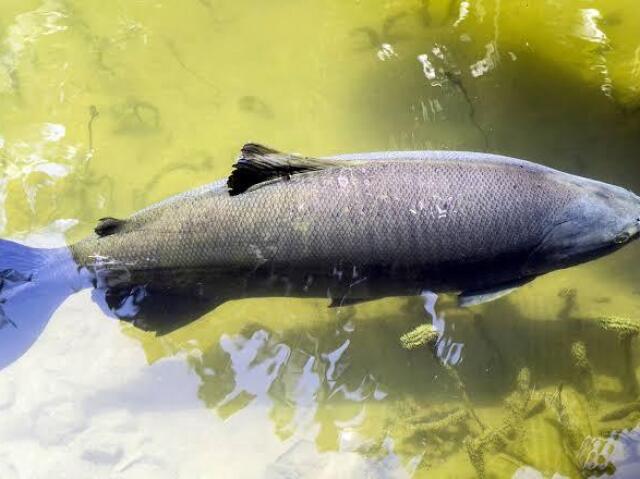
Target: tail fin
x=33, y=283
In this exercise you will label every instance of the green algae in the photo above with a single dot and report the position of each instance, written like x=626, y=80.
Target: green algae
x=584, y=371
x=624, y=327
x=423, y=335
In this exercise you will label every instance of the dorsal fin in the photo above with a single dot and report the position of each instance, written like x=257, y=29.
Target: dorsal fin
x=258, y=164
x=108, y=225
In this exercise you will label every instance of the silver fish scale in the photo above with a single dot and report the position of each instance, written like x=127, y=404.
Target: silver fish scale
x=398, y=213
x=408, y=213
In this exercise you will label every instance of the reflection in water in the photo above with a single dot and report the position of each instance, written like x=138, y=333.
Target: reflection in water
x=557, y=380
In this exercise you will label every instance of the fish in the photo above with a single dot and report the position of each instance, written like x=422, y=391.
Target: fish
x=350, y=228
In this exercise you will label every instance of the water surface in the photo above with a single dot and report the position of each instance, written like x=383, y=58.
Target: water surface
x=106, y=107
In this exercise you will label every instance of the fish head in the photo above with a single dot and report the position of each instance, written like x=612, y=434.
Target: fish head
x=601, y=219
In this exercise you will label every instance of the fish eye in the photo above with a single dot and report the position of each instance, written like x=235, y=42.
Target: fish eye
x=622, y=237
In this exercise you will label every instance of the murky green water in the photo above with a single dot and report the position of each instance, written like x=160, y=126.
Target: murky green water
x=106, y=107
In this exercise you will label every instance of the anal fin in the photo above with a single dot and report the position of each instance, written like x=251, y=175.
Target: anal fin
x=158, y=310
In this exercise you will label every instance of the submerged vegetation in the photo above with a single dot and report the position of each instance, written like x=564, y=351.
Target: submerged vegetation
x=588, y=442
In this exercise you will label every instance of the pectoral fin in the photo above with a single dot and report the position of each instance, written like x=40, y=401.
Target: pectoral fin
x=480, y=296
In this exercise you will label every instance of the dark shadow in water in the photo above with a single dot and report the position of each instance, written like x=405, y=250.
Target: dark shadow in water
x=158, y=310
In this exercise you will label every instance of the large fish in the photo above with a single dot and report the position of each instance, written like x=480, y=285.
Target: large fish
x=350, y=228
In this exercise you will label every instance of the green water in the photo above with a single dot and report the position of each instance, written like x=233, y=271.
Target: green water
x=106, y=107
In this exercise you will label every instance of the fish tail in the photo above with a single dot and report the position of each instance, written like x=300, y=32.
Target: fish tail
x=33, y=283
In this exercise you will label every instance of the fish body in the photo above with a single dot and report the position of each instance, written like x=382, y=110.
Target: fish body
x=393, y=223
x=351, y=228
